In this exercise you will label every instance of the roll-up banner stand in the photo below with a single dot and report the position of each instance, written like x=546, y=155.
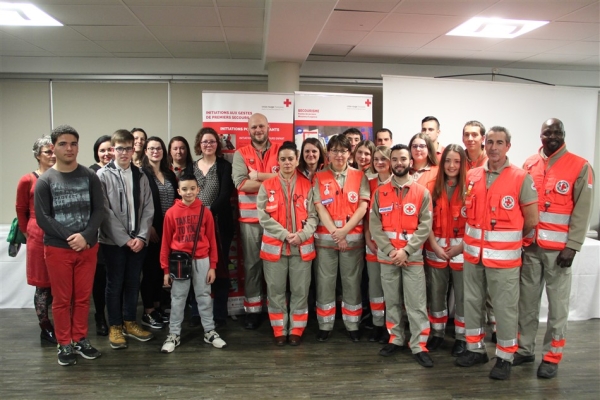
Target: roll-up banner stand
x=228, y=114
x=323, y=115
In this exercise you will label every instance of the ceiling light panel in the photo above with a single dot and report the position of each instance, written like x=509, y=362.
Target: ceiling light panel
x=15, y=14
x=495, y=28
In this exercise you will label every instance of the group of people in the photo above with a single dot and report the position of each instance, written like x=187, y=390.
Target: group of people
x=422, y=217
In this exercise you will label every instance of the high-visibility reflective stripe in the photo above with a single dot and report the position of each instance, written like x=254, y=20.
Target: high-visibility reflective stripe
x=459, y=329
x=270, y=249
x=553, y=236
x=244, y=213
x=378, y=313
x=268, y=234
x=423, y=338
x=326, y=307
x=350, y=318
x=501, y=255
x=503, y=236
x=441, y=241
x=507, y=343
x=307, y=248
x=459, y=318
x=301, y=311
x=253, y=309
x=439, y=314
x=475, y=332
x=397, y=235
x=471, y=250
x=455, y=241
x=298, y=324
x=492, y=319
x=432, y=256
x=556, y=350
x=326, y=319
x=377, y=300
x=458, y=258
x=276, y=322
x=475, y=346
x=353, y=237
x=247, y=198
x=438, y=326
x=475, y=233
x=340, y=223
x=558, y=337
x=553, y=218
x=504, y=354
x=351, y=307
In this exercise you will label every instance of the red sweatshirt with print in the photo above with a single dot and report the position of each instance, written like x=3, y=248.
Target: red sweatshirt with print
x=179, y=229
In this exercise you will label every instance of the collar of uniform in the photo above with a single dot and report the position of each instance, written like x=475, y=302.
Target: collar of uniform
x=506, y=164
x=425, y=168
x=407, y=184
x=336, y=174
x=267, y=147
x=481, y=156
x=557, y=154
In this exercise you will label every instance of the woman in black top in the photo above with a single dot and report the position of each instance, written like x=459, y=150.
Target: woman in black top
x=163, y=185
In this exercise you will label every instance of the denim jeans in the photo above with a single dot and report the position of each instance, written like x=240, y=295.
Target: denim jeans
x=123, y=270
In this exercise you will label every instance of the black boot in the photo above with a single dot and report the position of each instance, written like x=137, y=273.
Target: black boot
x=101, y=327
x=47, y=333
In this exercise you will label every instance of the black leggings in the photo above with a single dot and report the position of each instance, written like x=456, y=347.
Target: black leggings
x=41, y=301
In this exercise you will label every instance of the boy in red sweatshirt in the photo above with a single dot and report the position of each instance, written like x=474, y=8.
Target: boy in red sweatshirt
x=179, y=229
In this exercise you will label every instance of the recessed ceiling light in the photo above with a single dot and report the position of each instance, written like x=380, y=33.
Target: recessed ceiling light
x=22, y=14
x=495, y=27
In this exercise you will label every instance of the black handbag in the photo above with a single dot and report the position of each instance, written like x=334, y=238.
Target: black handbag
x=180, y=262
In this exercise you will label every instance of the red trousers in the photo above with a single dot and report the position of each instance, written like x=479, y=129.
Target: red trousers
x=71, y=278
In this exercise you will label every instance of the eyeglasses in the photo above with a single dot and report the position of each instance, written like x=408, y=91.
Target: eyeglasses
x=338, y=152
x=154, y=149
x=48, y=152
x=208, y=142
x=419, y=146
x=123, y=149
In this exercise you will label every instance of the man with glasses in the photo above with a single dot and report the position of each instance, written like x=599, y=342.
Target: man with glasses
x=253, y=164
x=124, y=238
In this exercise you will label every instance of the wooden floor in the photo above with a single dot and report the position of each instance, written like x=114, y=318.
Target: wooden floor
x=251, y=367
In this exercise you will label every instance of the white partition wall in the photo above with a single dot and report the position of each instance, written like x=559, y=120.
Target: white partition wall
x=522, y=108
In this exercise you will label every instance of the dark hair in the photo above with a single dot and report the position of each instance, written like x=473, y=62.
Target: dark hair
x=188, y=158
x=101, y=139
x=317, y=143
x=353, y=131
x=477, y=124
x=139, y=130
x=339, y=141
x=207, y=131
x=121, y=135
x=164, y=164
x=440, y=180
x=63, y=130
x=363, y=143
x=383, y=130
x=401, y=146
x=501, y=129
x=431, y=157
x=187, y=176
x=287, y=145
x=431, y=118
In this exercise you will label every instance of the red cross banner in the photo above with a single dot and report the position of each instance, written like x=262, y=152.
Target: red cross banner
x=323, y=115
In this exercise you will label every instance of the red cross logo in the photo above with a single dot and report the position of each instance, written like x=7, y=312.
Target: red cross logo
x=562, y=187
x=368, y=103
x=508, y=202
x=409, y=209
x=287, y=102
x=352, y=197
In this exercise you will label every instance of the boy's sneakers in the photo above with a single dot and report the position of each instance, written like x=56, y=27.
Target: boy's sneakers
x=133, y=330
x=153, y=320
x=86, y=350
x=116, y=338
x=66, y=355
x=213, y=338
x=172, y=341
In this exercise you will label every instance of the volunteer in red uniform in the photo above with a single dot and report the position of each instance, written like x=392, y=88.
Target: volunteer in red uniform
x=501, y=204
x=565, y=188
x=443, y=250
x=431, y=127
x=473, y=138
x=424, y=167
x=253, y=164
x=341, y=196
x=287, y=214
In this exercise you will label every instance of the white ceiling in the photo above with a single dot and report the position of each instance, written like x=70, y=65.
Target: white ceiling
x=370, y=31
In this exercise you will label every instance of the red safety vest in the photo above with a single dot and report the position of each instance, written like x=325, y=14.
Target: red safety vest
x=480, y=162
x=340, y=203
x=555, y=197
x=449, y=218
x=399, y=216
x=494, y=230
x=267, y=164
x=373, y=184
x=428, y=176
x=280, y=210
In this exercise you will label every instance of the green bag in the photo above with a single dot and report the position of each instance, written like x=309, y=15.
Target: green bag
x=15, y=239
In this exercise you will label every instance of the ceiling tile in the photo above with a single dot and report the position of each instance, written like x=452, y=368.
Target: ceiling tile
x=245, y=48
x=505, y=56
x=241, y=3
x=462, y=43
x=176, y=16
x=201, y=54
x=331, y=49
x=81, y=54
x=555, y=58
x=411, y=23
x=77, y=2
x=13, y=44
x=244, y=35
x=142, y=55
x=372, y=6
x=564, y=31
x=188, y=33
x=546, y=10
x=188, y=3
x=16, y=53
x=114, y=32
x=442, y=54
x=132, y=46
x=593, y=38
x=527, y=45
x=382, y=51
x=462, y=8
x=91, y=15
x=590, y=13
x=196, y=47
x=582, y=48
x=397, y=39
x=30, y=33
x=341, y=37
x=349, y=20
x=242, y=17
x=72, y=47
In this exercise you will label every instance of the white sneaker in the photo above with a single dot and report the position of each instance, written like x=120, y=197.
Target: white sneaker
x=170, y=343
x=213, y=338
